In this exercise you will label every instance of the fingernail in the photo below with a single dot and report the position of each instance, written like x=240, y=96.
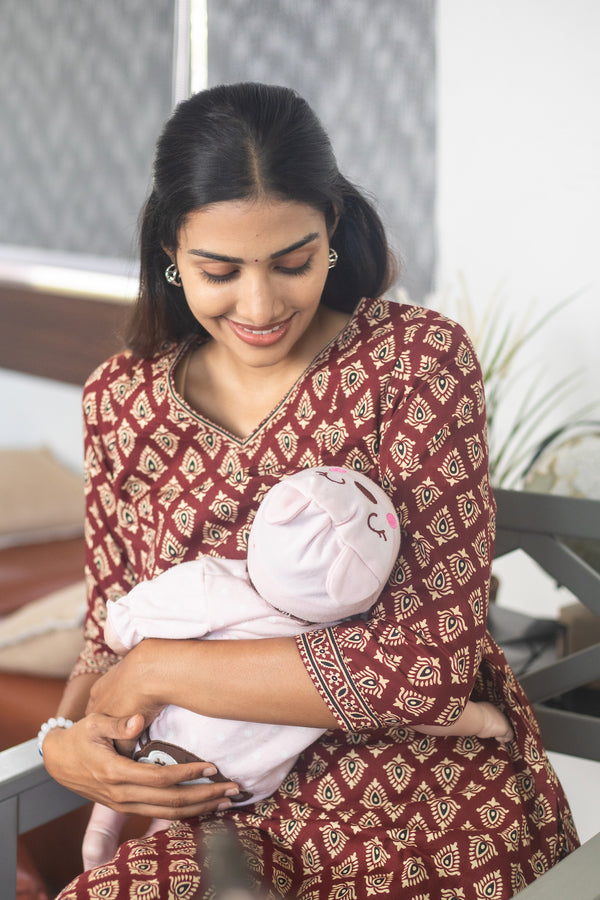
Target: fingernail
x=225, y=804
x=232, y=792
x=210, y=770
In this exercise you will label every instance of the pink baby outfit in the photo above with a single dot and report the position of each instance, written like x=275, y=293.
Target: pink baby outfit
x=321, y=548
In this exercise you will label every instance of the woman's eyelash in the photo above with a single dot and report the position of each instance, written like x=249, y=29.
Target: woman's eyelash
x=221, y=279
x=299, y=270
x=218, y=279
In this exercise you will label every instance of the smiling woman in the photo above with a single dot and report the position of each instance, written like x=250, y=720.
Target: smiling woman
x=259, y=303
x=260, y=346
x=283, y=162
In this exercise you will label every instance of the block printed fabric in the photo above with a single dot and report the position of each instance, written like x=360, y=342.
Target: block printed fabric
x=372, y=808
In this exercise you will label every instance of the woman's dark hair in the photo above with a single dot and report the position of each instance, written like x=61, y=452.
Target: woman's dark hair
x=241, y=141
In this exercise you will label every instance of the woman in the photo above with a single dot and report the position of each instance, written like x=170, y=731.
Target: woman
x=253, y=353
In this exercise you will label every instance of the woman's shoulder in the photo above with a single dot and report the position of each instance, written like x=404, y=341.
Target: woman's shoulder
x=119, y=378
x=413, y=327
x=127, y=365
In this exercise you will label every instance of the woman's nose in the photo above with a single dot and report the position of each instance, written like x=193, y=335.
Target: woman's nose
x=259, y=302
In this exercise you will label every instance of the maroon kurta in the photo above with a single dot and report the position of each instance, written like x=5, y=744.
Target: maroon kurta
x=371, y=808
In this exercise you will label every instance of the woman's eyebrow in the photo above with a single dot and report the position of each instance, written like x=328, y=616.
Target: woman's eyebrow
x=207, y=254
x=305, y=240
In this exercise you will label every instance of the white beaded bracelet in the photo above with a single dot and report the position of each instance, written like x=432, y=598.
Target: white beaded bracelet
x=59, y=722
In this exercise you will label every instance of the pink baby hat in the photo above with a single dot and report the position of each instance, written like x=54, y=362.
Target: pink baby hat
x=323, y=544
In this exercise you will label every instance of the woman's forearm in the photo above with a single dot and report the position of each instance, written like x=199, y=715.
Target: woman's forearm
x=75, y=696
x=250, y=680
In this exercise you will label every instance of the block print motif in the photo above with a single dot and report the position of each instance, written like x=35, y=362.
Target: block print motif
x=372, y=809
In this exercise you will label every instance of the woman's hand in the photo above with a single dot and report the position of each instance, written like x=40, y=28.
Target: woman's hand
x=83, y=758
x=125, y=689
x=123, y=692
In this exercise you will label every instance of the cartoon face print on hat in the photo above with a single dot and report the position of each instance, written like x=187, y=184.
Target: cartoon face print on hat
x=342, y=476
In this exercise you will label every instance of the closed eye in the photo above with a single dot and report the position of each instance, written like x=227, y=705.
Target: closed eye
x=283, y=270
x=296, y=270
x=219, y=279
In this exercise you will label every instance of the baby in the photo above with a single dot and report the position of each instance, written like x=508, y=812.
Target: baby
x=321, y=549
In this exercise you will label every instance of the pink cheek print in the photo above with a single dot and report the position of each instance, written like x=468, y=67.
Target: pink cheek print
x=336, y=469
x=392, y=521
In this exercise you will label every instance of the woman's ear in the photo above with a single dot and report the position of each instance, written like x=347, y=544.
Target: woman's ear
x=331, y=229
x=170, y=253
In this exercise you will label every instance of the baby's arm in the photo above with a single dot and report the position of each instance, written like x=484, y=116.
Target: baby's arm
x=482, y=720
x=187, y=601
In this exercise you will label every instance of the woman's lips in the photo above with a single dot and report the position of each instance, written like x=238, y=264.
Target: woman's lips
x=260, y=337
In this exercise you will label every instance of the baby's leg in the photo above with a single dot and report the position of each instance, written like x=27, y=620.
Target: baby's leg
x=483, y=720
x=102, y=836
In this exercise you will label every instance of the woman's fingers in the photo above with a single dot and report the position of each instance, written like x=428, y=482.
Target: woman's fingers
x=174, y=803
x=83, y=758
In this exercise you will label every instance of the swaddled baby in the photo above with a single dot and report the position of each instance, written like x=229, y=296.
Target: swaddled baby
x=321, y=549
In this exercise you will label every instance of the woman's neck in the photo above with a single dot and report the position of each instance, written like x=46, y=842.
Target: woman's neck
x=238, y=397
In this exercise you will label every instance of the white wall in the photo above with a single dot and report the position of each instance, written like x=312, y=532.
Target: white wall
x=37, y=412
x=518, y=201
x=518, y=170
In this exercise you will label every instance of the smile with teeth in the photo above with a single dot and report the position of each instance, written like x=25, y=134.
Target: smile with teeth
x=261, y=330
x=260, y=336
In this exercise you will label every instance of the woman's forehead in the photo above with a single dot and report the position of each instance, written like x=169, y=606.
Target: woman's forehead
x=236, y=227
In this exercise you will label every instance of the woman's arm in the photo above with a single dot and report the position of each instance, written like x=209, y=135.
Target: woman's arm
x=253, y=680
x=187, y=673
x=415, y=659
x=83, y=758
x=76, y=695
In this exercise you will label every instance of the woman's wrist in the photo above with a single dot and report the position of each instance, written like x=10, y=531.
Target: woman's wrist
x=50, y=725
x=153, y=660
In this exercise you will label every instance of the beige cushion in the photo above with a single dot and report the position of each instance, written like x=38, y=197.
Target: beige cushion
x=44, y=637
x=40, y=499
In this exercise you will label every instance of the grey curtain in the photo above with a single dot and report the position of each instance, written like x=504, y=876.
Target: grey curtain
x=368, y=69
x=85, y=87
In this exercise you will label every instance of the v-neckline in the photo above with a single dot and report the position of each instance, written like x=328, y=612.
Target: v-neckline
x=240, y=442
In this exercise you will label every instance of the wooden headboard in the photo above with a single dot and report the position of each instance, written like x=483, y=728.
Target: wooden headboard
x=62, y=336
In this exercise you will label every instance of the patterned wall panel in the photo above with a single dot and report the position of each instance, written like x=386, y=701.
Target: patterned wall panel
x=84, y=89
x=368, y=69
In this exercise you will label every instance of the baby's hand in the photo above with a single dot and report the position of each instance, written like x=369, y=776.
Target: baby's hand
x=110, y=638
x=494, y=723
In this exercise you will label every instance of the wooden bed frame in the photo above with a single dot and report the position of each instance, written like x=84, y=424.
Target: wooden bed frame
x=58, y=336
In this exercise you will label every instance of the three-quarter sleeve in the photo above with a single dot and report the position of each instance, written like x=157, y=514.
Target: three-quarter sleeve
x=106, y=569
x=414, y=660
